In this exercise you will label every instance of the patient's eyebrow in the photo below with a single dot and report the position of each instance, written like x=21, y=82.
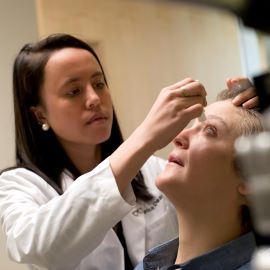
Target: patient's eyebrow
x=220, y=119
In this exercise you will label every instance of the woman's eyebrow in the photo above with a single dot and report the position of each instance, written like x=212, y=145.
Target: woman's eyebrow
x=97, y=74
x=71, y=80
x=220, y=119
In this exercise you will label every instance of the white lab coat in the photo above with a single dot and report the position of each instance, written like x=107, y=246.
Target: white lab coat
x=73, y=231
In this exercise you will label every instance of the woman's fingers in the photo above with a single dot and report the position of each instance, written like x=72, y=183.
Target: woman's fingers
x=188, y=101
x=175, y=106
x=190, y=91
x=239, y=84
x=192, y=112
x=251, y=103
x=188, y=87
x=194, y=88
x=247, y=96
x=186, y=93
x=180, y=83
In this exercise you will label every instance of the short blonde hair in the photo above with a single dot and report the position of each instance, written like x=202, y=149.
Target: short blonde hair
x=252, y=123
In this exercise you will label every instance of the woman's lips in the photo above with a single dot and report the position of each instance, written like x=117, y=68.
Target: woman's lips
x=175, y=159
x=96, y=118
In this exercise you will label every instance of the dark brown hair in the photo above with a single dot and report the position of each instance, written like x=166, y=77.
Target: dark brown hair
x=41, y=151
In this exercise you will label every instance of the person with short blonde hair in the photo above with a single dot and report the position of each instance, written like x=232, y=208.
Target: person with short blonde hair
x=209, y=192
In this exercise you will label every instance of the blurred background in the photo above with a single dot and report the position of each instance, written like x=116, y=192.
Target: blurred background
x=144, y=45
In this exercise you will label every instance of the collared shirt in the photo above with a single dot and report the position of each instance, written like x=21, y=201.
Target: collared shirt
x=234, y=255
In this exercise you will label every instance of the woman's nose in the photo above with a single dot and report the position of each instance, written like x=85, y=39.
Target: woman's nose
x=181, y=140
x=92, y=98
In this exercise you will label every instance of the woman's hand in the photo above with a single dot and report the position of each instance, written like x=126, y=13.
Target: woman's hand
x=247, y=96
x=173, y=109
x=175, y=106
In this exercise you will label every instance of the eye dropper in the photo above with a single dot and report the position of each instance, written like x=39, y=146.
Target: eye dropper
x=202, y=117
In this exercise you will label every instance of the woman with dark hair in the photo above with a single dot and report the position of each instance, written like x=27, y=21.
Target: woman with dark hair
x=68, y=203
x=203, y=181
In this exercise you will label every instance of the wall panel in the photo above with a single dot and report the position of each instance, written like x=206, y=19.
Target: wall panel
x=146, y=45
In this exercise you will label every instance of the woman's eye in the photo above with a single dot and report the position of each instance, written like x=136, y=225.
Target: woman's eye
x=74, y=92
x=99, y=85
x=211, y=131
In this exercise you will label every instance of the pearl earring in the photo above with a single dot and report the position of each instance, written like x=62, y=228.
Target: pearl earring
x=45, y=127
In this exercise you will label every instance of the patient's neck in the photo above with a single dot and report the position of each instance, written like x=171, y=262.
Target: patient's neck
x=202, y=230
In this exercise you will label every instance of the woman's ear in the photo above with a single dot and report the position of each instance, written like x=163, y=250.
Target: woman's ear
x=39, y=114
x=243, y=188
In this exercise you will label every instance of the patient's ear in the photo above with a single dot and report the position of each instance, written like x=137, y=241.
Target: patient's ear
x=243, y=193
x=243, y=188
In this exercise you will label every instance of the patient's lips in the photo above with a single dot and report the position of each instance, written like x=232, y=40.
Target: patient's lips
x=176, y=159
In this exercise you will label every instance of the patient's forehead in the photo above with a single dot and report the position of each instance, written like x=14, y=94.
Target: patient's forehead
x=226, y=111
x=224, y=107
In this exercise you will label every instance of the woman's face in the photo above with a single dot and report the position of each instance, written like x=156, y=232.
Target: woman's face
x=201, y=166
x=75, y=99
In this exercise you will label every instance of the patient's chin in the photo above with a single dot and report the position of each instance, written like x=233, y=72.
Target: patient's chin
x=166, y=181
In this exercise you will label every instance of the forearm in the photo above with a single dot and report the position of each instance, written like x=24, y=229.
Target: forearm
x=127, y=160
x=168, y=116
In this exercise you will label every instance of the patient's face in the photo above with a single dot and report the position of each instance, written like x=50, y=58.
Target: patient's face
x=201, y=166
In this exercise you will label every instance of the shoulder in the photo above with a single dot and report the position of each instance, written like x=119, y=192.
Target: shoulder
x=24, y=180
x=246, y=266
x=161, y=255
x=18, y=174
